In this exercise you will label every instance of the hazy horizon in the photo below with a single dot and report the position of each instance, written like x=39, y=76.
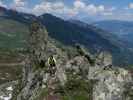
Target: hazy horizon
x=91, y=10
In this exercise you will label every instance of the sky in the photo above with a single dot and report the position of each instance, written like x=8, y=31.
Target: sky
x=85, y=10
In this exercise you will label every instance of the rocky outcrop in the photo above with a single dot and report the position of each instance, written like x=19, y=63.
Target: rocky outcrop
x=110, y=84
x=79, y=74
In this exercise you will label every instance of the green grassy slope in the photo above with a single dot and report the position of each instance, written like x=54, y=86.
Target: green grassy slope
x=12, y=34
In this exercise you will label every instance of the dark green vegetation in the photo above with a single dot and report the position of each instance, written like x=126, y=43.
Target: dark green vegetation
x=122, y=56
x=76, y=88
x=14, y=31
x=128, y=90
x=70, y=33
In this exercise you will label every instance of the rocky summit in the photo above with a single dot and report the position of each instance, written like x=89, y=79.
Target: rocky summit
x=77, y=74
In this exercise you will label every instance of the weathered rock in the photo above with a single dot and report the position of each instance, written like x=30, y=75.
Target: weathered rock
x=100, y=81
x=104, y=58
x=110, y=84
x=36, y=59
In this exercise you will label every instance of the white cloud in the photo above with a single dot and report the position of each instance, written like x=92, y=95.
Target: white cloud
x=48, y=7
x=130, y=6
x=58, y=5
x=19, y=3
x=77, y=8
x=54, y=8
x=70, y=12
x=60, y=9
x=101, y=8
x=43, y=7
x=79, y=5
x=92, y=9
x=1, y=4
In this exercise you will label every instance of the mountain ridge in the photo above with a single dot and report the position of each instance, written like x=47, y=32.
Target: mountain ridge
x=70, y=33
x=115, y=26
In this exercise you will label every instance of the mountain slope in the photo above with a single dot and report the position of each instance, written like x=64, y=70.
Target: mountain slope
x=116, y=26
x=66, y=32
x=17, y=16
x=106, y=34
x=72, y=78
x=12, y=34
x=70, y=33
x=123, y=29
x=125, y=52
x=59, y=29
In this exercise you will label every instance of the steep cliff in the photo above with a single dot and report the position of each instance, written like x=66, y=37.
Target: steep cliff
x=79, y=75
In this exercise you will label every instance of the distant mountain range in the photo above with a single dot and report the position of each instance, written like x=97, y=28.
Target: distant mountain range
x=123, y=29
x=14, y=32
x=116, y=26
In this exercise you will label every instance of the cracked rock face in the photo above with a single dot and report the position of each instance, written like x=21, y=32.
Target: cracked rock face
x=36, y=58
x=111, y=81
x=110, y=85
